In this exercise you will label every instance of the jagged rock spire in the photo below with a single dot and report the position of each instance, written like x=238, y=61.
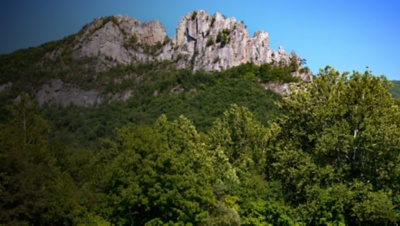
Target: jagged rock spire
x=202, y=42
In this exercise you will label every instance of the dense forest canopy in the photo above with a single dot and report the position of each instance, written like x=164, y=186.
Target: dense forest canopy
x=222, y=152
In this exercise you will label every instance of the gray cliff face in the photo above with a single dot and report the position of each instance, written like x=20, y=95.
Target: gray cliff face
x=5, y=87
x=111, y=40
x=65, y=95
x=202, y=42
x=213, y=43
x=58, y=93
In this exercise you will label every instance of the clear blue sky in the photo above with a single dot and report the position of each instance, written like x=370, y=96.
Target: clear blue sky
x=346, y=34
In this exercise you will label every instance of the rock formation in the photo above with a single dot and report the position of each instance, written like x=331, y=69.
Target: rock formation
x=5, y=87
x=202, y=41
x=216, y=42
x=62, y=94
x=118, y=39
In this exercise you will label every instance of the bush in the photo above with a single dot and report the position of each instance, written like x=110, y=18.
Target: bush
x=210, y=42
x=194, y=14
x=223, y=36
x=212, y=22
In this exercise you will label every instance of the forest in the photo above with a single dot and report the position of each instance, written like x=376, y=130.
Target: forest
x=222, y=152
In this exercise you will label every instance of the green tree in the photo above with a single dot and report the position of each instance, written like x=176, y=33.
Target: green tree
x=34, y=191
x=242, y=139
x=162, y=175
x=337, y=129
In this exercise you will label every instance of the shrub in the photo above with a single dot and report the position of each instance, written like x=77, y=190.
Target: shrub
x=131, y=42
x=223, y=36
x=210, y=41
x=166, y=39
x=212, y=22
x=194, y=14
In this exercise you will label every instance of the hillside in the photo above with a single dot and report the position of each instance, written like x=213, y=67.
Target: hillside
x=201, y=96
x=120, y=124
x=95, y=65
x=117, y=65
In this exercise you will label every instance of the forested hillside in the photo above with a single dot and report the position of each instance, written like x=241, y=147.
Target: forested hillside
x=208, y=149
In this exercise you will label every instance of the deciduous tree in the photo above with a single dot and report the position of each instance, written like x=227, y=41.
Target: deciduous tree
x=340, y=128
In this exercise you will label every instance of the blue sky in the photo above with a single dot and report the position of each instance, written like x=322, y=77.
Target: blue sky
x=348, y=35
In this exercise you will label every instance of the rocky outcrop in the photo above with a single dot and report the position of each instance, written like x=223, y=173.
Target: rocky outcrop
x=118, y=40
x=58, y=93
x=5, y=87
x=63, y=94
x=281, y=88
x=202, y=41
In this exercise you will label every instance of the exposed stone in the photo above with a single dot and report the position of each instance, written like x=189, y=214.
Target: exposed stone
x=64, y=94
x=119, y=40
x=214, y=42
x=119, y=96
x=176, y=89
x=107, y=41
x=280, y=88
x=58, y=93
x=5, y=87
x=305, y=76
x=202, y=41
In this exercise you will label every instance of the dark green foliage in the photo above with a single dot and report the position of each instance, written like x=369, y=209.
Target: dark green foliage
x=34, y=190
x=223, y=36
x=88, y=124
x=210, y=41
x=153, y=49
x=194, y=14
x=200, y=96
x=162, y=174
x=167, y=39
x=131, y=43
x=29, y=69
x=212, y=21
x=309, y=166
x=104, y=21
x=23, y=67
x=326, y=154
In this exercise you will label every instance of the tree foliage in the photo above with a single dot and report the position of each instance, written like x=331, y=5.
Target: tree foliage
x=339, y=130
x=162, y=175
x=34, y=190
x=328, y=156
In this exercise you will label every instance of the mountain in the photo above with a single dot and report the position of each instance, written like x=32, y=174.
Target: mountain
x=136, y=128
x=202, y=41
x=77, y=69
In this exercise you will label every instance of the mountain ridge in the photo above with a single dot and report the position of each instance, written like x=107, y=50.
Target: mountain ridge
x=202, y=41
x=70, y=71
